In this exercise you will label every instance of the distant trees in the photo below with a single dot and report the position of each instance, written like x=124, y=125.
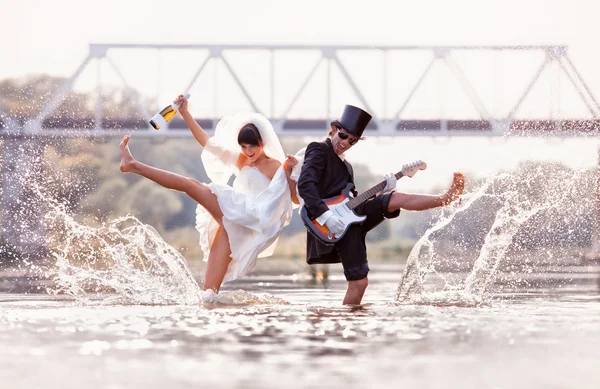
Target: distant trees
x=24, y=98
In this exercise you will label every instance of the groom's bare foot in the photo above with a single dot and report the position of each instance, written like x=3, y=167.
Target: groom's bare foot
x=127, y=160
x=456, y=189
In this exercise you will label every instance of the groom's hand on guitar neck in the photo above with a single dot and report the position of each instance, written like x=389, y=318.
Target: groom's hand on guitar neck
x=390, y=182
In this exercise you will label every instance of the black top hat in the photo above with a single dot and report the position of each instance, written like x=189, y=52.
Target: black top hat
x=354, y=120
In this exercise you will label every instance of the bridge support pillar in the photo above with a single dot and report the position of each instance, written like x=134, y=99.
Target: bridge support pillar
x=595, y=250
x=22, y=227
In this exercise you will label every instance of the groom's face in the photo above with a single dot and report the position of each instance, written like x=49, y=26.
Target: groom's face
x=342, y=140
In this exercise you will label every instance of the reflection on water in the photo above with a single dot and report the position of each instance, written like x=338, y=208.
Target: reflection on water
x=293, y=335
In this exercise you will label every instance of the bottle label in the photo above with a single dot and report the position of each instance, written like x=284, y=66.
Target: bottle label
x=158, y=121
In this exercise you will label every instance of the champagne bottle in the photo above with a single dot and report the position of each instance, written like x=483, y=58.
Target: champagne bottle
x=160, y=119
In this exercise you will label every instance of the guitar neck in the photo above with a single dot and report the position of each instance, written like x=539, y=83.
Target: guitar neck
x=358, y=200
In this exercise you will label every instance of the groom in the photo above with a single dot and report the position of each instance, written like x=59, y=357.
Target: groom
x=325, y=173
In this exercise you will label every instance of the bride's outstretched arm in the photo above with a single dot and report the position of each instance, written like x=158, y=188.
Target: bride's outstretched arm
x=227, y=156
x=198, y=132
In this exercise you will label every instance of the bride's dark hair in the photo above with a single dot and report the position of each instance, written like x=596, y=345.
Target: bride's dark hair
x=249, y=135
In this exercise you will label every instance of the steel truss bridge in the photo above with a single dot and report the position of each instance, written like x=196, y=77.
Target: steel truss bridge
x=334, y=69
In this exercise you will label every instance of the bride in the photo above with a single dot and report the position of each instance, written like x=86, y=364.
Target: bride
x=239, y=223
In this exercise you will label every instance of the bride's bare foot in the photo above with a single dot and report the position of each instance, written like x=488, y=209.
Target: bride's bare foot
x=456, y=189
x=127, y=160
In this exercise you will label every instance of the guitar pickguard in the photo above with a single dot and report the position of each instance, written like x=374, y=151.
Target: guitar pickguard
x=338, y=206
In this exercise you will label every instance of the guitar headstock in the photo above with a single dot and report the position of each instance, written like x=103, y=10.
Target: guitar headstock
x=410, y=169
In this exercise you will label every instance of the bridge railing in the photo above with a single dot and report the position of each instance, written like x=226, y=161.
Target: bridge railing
x=76, y=127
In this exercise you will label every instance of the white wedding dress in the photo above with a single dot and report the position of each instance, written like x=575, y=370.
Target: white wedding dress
x=255, y=209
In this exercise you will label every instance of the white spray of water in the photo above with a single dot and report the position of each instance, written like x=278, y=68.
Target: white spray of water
x=515, y=209
x=129, y=263
x=420, y=261
x=123, y=258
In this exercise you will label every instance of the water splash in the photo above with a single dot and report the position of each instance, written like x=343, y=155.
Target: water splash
x=132, y=263
x=420, y=261
x=124, y=257
x=513, y=202
x=122, y=261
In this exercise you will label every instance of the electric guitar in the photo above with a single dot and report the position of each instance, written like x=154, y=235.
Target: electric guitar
x=343, y=206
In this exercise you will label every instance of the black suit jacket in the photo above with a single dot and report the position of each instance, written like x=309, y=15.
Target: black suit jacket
x=323, y=175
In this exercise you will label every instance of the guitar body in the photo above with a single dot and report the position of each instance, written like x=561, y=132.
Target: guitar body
x=337, y=205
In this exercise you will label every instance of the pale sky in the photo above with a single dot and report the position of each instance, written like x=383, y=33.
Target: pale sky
x=52, y=37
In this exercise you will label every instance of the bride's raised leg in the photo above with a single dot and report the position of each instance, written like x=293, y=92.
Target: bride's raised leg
x=190, y=186
x=218, y=261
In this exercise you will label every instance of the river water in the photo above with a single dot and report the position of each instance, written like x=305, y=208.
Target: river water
x=285, y=331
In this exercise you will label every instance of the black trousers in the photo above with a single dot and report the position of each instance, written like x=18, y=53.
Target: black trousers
x=351, y=250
